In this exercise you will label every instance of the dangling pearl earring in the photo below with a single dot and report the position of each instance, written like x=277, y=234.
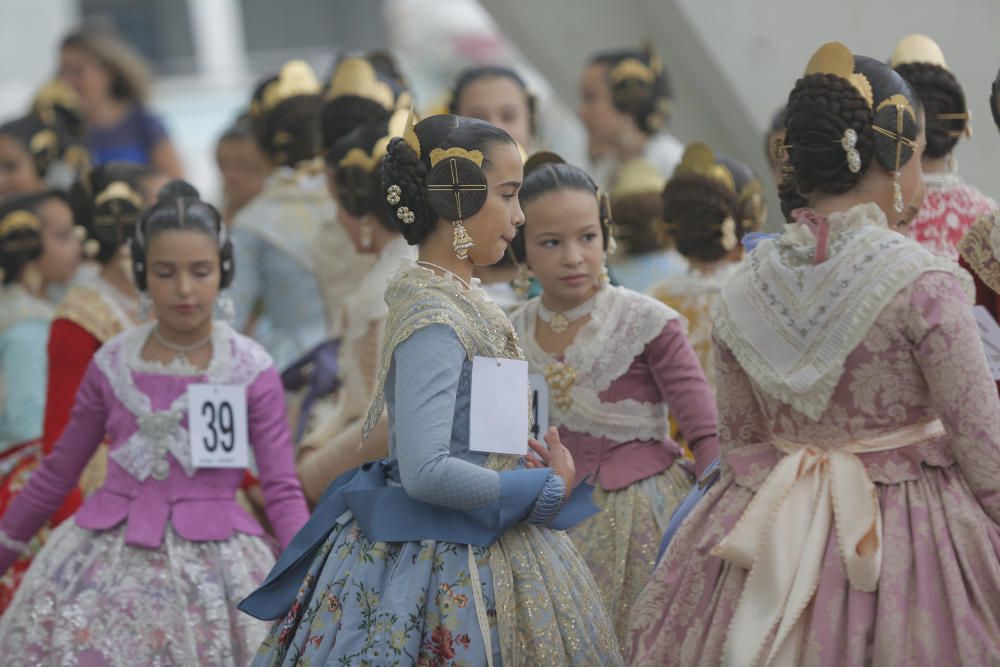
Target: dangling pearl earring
x=522, y=282
x=897, y=193
x=366, y=234
x=226, y=308
x=603, y=278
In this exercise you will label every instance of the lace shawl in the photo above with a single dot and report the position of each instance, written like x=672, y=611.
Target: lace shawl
x=792, y=323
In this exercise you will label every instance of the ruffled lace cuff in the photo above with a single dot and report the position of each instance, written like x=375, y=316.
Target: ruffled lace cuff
x=550, y=501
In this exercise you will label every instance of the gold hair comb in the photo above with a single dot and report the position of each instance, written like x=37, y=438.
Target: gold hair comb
x=439, y=154
x=917, y=49
x=19, y=220
x=357, y=76
x=835, y=58
x=699, y=160
x=295, y=78
x=119, y=190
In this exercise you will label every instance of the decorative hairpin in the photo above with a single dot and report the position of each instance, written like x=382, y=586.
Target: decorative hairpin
x=405, y=215
x=393, y=195
x=356, y=76
x=835, y=58
x=849, y=142
x=19, y=220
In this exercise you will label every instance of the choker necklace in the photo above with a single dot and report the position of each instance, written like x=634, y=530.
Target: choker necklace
x=180, y=350
x=559, y=322
x=445, y=271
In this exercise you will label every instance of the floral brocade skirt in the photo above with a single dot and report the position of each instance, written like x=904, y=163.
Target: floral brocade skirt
x=414, y=603
x=620, y=542
x=90, y=599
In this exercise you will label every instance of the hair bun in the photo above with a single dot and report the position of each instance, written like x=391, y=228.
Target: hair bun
x=176, y=189
x=456, y=188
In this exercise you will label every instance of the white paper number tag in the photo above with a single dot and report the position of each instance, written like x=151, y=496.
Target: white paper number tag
x=989, y=332
x=498, y=420
x=539, y=405
x=217, y=422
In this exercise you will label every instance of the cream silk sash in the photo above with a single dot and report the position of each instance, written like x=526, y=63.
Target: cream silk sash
x=782, y=537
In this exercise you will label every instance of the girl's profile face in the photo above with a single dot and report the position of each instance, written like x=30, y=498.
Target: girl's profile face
x=183, y=277
x=564, y=244
x=494, y=226
x=60, y=245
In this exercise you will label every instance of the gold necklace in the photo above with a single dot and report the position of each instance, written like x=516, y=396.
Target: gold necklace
x=559, y=322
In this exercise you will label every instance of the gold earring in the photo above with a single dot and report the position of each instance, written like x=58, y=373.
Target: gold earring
x=32, y=278
x=461, y=241
x=522, y=282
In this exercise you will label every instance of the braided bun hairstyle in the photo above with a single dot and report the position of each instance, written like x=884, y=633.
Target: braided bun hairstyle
x=179, y=207
x=344, y=113
x=821, y=107
x=941, y=93
x=20, y=235
x=110, y=222
x=547, y=172
x=707, y=218
x=413, y=173
x=644, y=98
x=359, y=188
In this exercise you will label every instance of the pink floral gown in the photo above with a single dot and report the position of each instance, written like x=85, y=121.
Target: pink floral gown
x=936, y=600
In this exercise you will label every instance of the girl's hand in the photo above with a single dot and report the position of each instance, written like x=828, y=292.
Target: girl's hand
x=556, y=457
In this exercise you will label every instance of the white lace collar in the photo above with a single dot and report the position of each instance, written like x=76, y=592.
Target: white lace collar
x=474, y=291
x=235, y=361
x=621, y=325
x=942, y=180
x=792, y=323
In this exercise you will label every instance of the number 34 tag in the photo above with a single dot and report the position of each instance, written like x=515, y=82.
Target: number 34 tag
x=217, y=422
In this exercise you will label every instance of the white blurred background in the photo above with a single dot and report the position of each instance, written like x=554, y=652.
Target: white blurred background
x=732, y=62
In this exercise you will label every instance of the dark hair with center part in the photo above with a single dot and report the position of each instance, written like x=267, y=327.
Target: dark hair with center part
x=554, y=177
x=179, y=207
x=404, y=168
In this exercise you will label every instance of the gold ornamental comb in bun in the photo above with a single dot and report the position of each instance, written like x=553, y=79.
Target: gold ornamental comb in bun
x=356, y=76
x=699, y=160
x=16, y=221
x=119, y=190
x=917, y=49
x=439, y=154
x=637, y=177
x=632, y=68
x=835, y=58
x=409, y=134
x=44, y=141
x=356, y=157
x=295, y=78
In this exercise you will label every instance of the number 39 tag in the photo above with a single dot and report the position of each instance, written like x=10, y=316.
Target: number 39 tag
x=217, y=422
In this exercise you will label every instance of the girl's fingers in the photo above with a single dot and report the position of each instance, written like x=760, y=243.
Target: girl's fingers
x=539, y=449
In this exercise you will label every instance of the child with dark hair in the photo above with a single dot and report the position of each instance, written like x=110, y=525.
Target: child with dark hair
x=625, y=99
x=949, y=206
x=276, y=233
x=613, y=360
x=708, y=205
x=857, y=416
x=38, y=248
x=331, y=448
x=31, y=149
x=158, y=557
x=451, y=549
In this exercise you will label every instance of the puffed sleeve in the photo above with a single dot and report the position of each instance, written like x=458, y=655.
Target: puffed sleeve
x=59, y=471
x=948, y=349
x=272, y=445
x=681, y=381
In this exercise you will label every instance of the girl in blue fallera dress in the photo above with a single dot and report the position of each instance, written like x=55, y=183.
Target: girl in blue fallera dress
x=438, y=554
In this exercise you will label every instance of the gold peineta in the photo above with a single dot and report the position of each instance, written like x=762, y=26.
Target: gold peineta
x=917, y=49
x=356, y=76
x=439, y=154
x=835, y=58
x=295, y=78
x=44, y=141
x=19, y=220
x=699, y=160
x=632, y=68
x=119, y=190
